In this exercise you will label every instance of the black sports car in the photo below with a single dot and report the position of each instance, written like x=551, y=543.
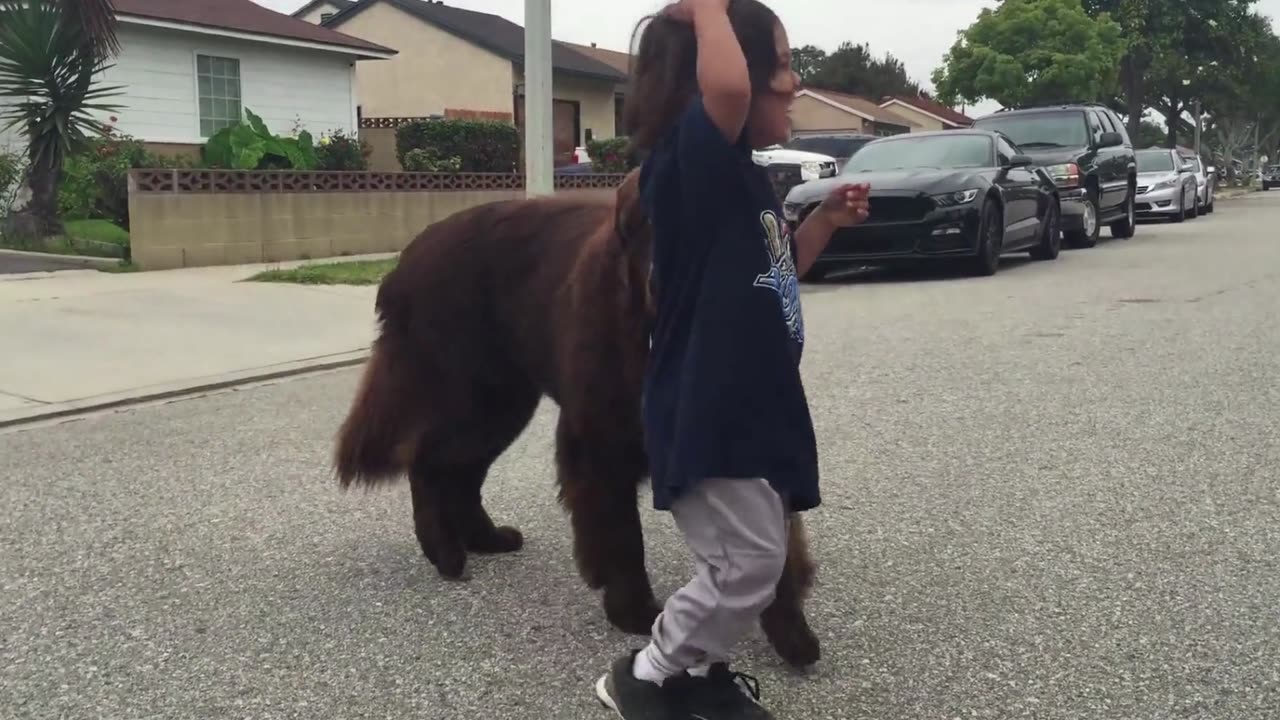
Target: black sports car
x=968, y=195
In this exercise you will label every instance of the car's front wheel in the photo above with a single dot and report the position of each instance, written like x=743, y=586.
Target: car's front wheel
x=1050, y=235
x=1128, y=225
x=990, y=241
x=1087, y=235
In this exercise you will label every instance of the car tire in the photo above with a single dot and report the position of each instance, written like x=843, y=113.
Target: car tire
x=1195, y=206
x=1082, y=238
x=990, y=241
x=1050, y=235
x=1126, y=228
x=1182, y=210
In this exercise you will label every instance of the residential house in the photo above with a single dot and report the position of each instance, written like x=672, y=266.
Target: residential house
x=319, y=11
x=926, y=113
x=816, y=110
x=619, y=61
x=187, y=68
x=461, y=63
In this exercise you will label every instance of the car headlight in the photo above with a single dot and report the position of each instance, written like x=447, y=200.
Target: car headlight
x=1165, y=184
x=791, y=211
x=953, y=199
x=1066, y=175
x=811, y=167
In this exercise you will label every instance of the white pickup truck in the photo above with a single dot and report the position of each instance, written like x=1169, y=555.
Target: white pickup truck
x=813, y=166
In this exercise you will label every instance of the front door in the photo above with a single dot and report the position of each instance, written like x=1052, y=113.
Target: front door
x=565, y=129
x=1022, y=196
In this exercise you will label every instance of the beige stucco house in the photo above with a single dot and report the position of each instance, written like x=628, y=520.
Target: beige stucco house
x=816, y=110
x=926, y=113
x=461, y=63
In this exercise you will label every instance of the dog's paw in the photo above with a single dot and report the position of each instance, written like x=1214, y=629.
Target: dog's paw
x=793, y=640
x=503, y=539
x=632, y=613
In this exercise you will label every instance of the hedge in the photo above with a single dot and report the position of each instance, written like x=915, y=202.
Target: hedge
x=481, y=145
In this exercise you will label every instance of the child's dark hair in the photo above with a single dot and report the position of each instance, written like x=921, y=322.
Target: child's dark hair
x=664, y=68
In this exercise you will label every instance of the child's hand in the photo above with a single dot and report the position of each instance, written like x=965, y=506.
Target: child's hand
x=686, y=10
x=847, y=205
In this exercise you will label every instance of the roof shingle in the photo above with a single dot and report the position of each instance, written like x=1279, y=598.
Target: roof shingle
x=494, y=33
x=243, y=16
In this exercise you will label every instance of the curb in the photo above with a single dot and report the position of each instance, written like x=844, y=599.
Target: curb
x=68, y=259
x=181, y=388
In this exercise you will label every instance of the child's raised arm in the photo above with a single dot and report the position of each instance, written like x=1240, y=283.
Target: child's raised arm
x=722, y=68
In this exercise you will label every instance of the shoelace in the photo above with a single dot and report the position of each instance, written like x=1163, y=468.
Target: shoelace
x=729, y=687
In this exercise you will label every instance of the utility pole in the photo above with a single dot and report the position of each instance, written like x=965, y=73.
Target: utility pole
x=539, y=165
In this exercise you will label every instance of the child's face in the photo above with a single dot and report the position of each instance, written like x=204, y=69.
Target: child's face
x=770, y=120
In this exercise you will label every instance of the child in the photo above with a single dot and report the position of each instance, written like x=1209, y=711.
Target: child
x=727, y=426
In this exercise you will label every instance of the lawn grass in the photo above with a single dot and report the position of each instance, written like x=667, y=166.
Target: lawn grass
x=103, y=231
x=353, y=272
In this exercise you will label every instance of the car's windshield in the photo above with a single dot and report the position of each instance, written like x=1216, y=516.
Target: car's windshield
x=1274, y=169
x=1041, y=130
x=1154, y=161
x=933, y=151
x=833, y=146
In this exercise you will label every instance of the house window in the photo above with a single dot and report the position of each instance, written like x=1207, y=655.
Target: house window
x=325, y=17
x=219, y=84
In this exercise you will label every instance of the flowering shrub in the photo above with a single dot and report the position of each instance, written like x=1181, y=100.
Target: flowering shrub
x=340, y=151
x=609, y=156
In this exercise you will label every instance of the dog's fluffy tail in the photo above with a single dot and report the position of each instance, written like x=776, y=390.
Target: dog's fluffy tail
x=380, y=435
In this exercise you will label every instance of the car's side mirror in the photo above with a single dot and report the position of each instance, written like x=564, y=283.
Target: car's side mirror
x=1110, y=139
x=1187, y=168
x=1018, y=161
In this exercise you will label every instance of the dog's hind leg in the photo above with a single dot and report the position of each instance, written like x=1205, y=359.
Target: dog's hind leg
x=448, y=476
x=599, y=479
x=784, y=621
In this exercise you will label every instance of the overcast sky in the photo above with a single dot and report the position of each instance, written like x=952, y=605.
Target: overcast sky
x=918, y=32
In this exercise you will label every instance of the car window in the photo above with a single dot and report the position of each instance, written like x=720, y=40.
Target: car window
x=1004, y=151
x=903, y=152
x=1155, y=161
x=1040, y=130
x=1095, y=126
x=833, y=146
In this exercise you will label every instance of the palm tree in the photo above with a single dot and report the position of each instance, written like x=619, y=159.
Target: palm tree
x=51, y=52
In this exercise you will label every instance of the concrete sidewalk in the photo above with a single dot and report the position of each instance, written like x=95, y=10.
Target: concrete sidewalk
x=82, y=339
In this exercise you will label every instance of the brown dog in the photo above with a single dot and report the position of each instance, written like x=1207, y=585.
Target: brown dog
x=488, y=311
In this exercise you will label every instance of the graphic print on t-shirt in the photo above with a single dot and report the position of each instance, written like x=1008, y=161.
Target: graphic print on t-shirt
x=781, y=276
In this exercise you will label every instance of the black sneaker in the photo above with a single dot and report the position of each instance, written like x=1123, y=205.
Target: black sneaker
x=721, y=695
x=635, y=699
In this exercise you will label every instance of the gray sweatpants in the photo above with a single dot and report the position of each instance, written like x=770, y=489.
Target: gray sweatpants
x=737, y=530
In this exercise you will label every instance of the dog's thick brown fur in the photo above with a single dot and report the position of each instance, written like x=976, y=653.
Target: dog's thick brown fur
x=488, y=311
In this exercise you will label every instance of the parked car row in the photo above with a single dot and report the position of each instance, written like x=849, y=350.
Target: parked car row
x=1271, y=177
x=1020, y=180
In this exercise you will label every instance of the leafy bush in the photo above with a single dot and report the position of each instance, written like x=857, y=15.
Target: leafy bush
x=249, y=145
x=609, y=156
x=12, y=166
x=428, y=160
x=340, y=151
x=95, y=182
x=480, y=145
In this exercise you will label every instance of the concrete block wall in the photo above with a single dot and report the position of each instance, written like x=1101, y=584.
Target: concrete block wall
x=176, y=229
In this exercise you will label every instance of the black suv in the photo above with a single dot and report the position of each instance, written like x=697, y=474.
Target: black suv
x=1087, y=151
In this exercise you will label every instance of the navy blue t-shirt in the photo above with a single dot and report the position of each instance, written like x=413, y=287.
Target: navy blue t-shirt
x=723, y=396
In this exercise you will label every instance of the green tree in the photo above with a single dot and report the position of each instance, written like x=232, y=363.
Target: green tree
x=1032, y=51
x=51, y=52
x=1148, y=28
x=855, y=70
x=1243, y=98
x=807, y=60
x=1214, y=41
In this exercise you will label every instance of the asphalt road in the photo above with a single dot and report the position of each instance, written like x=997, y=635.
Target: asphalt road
x=12, y=263
x=1049, y=494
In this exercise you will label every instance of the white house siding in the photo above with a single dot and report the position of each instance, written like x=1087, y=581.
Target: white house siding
x=284, y=85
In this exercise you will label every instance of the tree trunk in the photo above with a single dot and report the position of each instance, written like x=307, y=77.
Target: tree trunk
x=43, y=181
x=1173, y=119
x=1131, y=79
